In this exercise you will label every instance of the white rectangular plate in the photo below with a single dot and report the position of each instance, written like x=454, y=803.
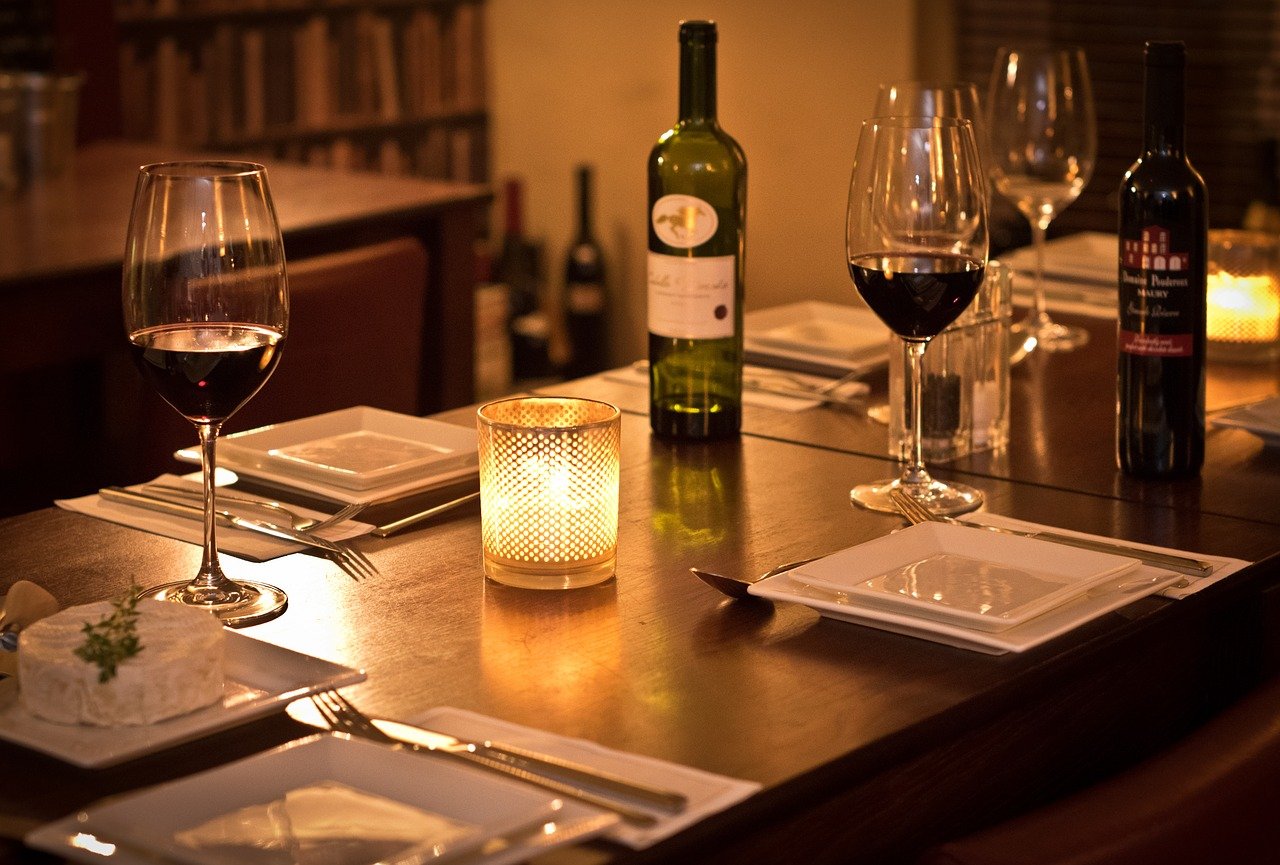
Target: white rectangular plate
x=261, y=678
x=962, y=575
x=358, y=448
x=148, y=819
x=843, y=337
x=1102, y=599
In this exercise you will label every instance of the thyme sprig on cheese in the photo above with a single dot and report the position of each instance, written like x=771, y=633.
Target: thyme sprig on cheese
x=114, y=638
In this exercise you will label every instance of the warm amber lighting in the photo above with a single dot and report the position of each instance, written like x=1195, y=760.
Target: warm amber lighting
x=549, y=470
x=1243, y=296
x=1243, y=308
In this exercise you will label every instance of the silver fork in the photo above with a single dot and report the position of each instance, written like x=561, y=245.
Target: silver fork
x=297, y=520
x=915, y=512
x=340, y=715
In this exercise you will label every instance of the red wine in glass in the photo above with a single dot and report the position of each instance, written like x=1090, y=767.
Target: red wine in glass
x=917, y=296
x=206, y=371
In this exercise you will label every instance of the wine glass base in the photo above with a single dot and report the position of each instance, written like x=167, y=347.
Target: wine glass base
x=942, y=499
x=249, y=604
x=1055, y=337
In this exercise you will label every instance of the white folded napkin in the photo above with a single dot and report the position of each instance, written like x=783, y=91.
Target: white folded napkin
x=707, y=792
x=238, y=542
x=639, y=376
x=1223, y=566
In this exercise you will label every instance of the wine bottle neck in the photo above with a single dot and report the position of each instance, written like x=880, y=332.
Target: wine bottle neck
x=697, y=72
x=1164, y=110
x=584, y=203
x=514, y=226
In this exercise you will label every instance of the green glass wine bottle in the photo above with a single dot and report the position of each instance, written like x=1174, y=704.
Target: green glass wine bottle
x=697, y=227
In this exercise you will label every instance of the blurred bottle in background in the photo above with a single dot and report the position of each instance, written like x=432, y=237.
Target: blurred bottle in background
x=519, y=267
x=585, y=298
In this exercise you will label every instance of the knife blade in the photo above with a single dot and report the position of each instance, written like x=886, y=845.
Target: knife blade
x=195, y=512
x=535, y=761
x=1181, y=564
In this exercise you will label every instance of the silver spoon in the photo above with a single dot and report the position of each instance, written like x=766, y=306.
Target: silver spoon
x=736, y=587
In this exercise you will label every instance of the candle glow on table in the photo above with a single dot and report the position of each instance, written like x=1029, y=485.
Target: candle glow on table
x=1243, y=294
x=549, y=470
x=1243, y=308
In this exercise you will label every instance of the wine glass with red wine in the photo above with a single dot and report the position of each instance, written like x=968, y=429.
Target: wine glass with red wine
x=206, y=309
x=916, y=239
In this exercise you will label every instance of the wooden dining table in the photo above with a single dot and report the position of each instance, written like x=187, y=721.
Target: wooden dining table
x=868, y=746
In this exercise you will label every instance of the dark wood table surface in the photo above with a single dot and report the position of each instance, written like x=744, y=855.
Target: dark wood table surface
x=870, y=746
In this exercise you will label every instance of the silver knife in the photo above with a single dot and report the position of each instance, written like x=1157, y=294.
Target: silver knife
x=535, y=761
x=195, y=512
x=1181, y=564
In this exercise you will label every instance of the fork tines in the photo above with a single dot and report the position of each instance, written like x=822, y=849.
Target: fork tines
x=341, y=715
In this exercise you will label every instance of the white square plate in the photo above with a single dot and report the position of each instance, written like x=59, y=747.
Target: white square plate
x=961, y=575
x=843, y=338
x=261, y=678
x=358, y=448
x=150, y=818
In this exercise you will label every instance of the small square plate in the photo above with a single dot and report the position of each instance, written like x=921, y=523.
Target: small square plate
x=261, y=678
x=962, y=575
x=359, y=448
x=487, y=804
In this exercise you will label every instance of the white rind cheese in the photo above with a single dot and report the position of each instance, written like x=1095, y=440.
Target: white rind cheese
x=179, y=669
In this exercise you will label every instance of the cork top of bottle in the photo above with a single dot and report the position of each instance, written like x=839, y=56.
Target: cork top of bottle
x=701, y=30
x=1165, y=54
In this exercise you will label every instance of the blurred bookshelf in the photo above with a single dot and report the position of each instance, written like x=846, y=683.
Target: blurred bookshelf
x=396, y=86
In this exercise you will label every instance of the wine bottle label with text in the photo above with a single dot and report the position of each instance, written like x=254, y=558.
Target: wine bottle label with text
x=692, y=298
x=684, y=221
x=1156, y=318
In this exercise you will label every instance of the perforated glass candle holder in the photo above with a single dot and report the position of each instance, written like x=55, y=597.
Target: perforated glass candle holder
x=549, y=470
x=1243, y=298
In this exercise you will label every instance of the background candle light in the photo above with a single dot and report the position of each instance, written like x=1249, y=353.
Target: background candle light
x=1243, y=302
x=549, y=469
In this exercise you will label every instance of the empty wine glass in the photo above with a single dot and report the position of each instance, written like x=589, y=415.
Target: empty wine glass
x=206, y=308
x=916, y=240
x=1044, y=141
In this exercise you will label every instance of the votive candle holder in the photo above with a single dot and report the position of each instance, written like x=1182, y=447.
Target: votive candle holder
x=549, y=471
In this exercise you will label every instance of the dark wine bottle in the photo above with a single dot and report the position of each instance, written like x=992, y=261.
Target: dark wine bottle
x=697, y=223
x=585, y=299
x=518, y=266
x=1163, y=259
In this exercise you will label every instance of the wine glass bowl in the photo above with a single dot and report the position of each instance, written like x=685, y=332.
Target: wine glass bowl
x=916, y=244
x=1044, y=143
x=206, y=312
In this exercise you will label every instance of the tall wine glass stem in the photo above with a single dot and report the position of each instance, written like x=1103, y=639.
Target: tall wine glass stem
x=914, y=475
x=1039, y=227
x=211, y=585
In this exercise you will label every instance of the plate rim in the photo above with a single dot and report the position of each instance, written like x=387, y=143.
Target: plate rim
x=1085, y=609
